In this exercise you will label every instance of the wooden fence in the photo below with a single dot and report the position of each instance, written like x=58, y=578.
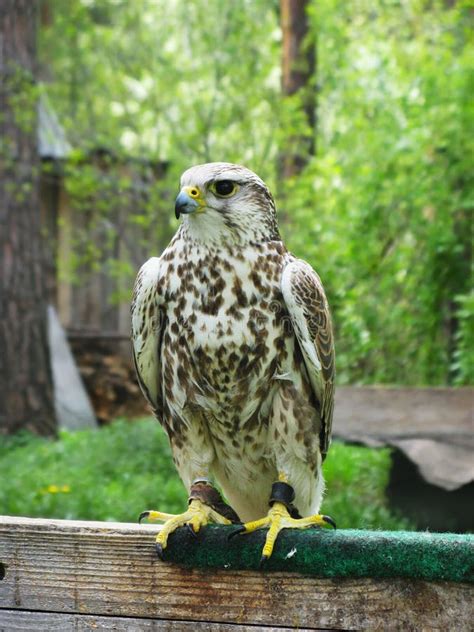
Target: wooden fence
x=64, y=575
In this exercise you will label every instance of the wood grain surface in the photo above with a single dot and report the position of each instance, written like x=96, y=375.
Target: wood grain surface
x=57, y=568
x=433, y=427
x=21, y=621
x=381, y=413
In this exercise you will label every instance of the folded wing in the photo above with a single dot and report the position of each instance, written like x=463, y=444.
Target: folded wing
x=309, y=313
x=148, y=323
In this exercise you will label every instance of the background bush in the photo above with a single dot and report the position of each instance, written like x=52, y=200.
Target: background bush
x=382, y=211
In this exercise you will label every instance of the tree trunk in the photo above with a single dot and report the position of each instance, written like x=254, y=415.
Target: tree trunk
x=298, y=69
x=26, y=391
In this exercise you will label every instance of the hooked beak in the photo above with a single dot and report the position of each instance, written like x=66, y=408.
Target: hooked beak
x=189, y=200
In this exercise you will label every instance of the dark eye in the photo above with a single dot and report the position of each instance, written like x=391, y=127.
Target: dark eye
x=224, y=188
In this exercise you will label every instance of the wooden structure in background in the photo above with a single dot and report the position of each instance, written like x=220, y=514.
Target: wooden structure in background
x=53, y=149
x=434, y=427
x=86, y=300
x=432, y=431
x=98, y=300
x=60, y=575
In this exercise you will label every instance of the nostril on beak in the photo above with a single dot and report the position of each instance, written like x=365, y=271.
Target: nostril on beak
x=186, y=203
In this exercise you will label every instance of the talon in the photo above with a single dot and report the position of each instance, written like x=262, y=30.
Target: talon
x=142, y=516
x=194, y=518
x=277, y=519
x=190, y=528
x=263, y=561
x=330, y=521
x=236, y=531
x=159, y=551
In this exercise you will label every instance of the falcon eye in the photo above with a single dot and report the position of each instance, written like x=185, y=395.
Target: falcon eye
x=225, y=188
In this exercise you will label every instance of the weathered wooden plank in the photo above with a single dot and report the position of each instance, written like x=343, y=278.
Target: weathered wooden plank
x=26, y=621
x=433, y=427
x=381, y=413
x=111, y=569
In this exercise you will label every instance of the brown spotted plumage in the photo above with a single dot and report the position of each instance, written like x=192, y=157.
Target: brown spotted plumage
x=233, y=346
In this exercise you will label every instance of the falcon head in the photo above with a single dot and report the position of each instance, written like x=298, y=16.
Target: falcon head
x=223, y=202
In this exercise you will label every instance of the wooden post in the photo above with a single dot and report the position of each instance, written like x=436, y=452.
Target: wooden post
x=298, y=68
x=60, y=575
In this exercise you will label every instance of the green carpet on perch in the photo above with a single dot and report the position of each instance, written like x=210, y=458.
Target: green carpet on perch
x=324, y=553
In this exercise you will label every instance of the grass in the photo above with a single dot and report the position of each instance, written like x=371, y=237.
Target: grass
x=122, y=469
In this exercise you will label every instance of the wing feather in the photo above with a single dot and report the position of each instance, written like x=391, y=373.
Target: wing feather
x=148, y=323
x=308, y=308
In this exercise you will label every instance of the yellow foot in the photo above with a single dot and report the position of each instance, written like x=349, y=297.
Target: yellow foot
x=278, y=518
x=197, y=515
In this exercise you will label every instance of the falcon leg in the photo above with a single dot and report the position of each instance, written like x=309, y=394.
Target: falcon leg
x=205, y=505
x=282, y=515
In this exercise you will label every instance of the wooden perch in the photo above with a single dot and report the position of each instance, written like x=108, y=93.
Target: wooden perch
x=60, y=575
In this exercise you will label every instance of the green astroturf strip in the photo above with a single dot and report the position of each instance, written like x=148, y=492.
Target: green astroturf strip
x=324, y=553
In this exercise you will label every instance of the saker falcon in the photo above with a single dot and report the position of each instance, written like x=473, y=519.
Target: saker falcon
x=234, y=351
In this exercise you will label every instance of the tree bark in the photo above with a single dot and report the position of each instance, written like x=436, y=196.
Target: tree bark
x=26, y=390
x=298, y=68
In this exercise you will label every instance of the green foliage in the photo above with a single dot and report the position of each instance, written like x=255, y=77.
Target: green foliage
x=383, y=212
x=464, y=354
x=166, y=79
x=385, y=204
x=119, y=471
x=356, y=479
x=110, y=474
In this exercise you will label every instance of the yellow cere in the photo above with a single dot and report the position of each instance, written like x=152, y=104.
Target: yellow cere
x=195, y=194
